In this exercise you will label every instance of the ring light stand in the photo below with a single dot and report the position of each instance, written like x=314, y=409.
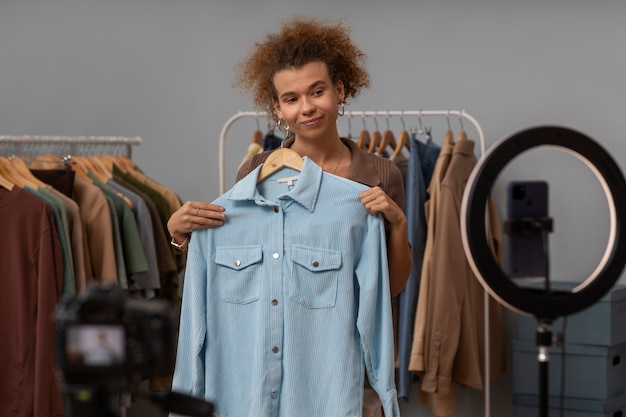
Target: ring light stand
x=544, y=306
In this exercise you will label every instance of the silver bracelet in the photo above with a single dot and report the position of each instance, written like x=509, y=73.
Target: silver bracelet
x=181, y=246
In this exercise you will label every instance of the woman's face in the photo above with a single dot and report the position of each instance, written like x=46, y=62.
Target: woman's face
x=308, y=100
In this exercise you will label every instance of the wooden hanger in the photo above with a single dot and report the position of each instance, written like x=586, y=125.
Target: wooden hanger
x=12, y=174
x=109, y=161
x=124, y=163
x=278, y=159
x=25, y=172
x=48, y=162
x=404, y=140
x=102, y=169
x=5, y=183
x=257, y=137
x=388, y=140
x=88, y=166
x=80, y=168
x=462, y=136
x=375, y=141
x=449, y=137
x=364, y=139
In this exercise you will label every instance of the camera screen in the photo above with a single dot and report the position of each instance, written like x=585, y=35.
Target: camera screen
x=95, y=346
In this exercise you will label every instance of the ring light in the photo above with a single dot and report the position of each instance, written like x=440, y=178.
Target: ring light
x=473, y=224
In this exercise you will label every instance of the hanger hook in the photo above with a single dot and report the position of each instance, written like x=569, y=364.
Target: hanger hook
x=258, y=125
x=375, y=121
x=448, y=120
x=461, y=119
x=402, y=120
x=419, y=120
x=270, y=126
x=387, y=120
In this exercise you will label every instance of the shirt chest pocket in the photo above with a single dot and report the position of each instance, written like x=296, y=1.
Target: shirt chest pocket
x=315, y=276
x=239, y=273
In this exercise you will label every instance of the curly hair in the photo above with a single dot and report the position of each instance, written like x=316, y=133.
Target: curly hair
x=299, y=42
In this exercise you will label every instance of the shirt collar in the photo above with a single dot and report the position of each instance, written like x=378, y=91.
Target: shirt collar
x=304, y=192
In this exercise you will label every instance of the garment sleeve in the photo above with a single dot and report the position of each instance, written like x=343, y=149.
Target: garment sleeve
x=447, y=290
x=374, y=320
x=48, y=399
x=99, y=231
x=396, y=185
x=189, y=373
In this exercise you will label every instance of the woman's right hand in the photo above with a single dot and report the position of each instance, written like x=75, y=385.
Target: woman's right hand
x=194, y=215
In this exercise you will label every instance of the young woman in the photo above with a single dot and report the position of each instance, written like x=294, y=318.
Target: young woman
x=301, y=76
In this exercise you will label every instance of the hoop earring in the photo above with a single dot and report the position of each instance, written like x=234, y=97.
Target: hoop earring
x=283, y=127
x=343, y=109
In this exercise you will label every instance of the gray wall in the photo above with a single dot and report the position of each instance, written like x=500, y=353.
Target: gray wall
x=162, y=70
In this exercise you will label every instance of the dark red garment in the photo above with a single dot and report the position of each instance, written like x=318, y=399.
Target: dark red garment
x=61, y=179
x=31, y=279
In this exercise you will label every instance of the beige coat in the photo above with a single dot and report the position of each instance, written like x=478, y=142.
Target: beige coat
x=448, y=345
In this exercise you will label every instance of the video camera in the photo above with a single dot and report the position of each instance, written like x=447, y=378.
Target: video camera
x=105, y=342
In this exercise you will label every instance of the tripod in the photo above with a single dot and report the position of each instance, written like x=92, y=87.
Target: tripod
x=544, y=341
x=543, y=338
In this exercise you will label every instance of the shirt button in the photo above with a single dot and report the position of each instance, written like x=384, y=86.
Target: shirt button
x=315, y=264
x=276, y=209
x=275, y=349
x=275, y=255
x=274, y=395
x=274, y=302
x=237, y=262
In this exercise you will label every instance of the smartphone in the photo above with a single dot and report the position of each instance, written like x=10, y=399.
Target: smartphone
x=525, y=252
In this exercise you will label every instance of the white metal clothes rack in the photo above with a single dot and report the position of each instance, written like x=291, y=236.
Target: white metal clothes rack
x=348, y=114
x=68, y=145
x=461, y=114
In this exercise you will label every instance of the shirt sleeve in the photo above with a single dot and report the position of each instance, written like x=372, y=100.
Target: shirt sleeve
x=374, y=321
x=48, y=399
x=189, y=373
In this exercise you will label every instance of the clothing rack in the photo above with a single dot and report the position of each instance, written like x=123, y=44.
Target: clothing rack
x=68, y=145
x=461, y=114
x=347, y=114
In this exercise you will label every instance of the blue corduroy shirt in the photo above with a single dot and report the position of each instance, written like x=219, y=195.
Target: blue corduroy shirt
x=286, y=307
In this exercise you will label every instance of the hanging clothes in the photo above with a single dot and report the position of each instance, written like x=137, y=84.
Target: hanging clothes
x=60, y=215
x=32, y=270
x=133, y=256
x=166, y=262
x=421, y=163
x=448, y=342
x=148, y=281
x=63, y=229
x=295, y=317
x=95, y=213
x=271, y=141
x=165, y=205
